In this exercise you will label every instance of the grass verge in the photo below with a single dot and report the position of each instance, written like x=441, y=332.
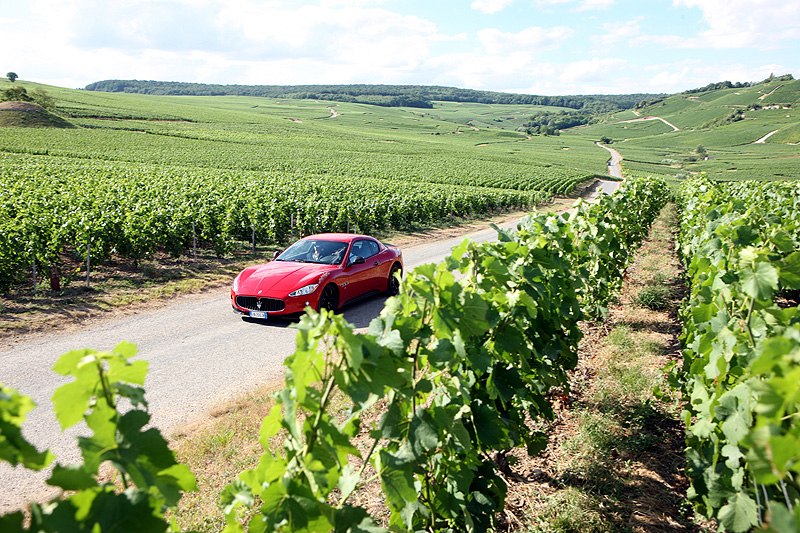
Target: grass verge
x=615, y=456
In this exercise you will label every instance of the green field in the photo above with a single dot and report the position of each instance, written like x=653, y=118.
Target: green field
x=243, y=168
x=302, y=137
x=653, y=148
x=140, y=174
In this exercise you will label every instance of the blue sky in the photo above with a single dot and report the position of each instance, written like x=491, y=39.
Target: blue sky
x=552, y=47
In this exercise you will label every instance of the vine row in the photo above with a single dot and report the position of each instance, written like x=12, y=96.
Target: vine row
x=468, y=352
x=49, y=206
x=741, y=362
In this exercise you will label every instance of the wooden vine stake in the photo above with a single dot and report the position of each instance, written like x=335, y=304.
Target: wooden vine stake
x=88, y=262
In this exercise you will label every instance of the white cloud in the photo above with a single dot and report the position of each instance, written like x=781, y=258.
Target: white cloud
x=592, y=69
x=589, y=5
x=692, y=73
x=619, y=31
x=73, y=42
x=763, y=24
x=481, y=71
x=533, y=39
x=233, y=41
x=581, y=5
x=350, y=3
x=490, y=6
x=670, y=41
x=546, y=3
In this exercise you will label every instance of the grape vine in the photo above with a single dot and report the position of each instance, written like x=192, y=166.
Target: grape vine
x=462, y=358
x=742, y=352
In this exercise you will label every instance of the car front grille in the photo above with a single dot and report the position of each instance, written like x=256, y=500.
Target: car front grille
x=271, y=305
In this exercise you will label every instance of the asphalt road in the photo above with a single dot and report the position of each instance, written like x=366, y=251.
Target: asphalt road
x=614, y=165
x=200, y=354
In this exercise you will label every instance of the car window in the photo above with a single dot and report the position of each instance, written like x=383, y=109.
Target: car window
x=364, y=248
x=315, y=251
x=373, y=248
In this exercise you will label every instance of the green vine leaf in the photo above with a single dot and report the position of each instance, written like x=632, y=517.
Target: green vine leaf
x=14, y=448
x=739, y=514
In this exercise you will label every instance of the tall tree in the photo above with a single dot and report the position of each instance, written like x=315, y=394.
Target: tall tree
x=12, y=76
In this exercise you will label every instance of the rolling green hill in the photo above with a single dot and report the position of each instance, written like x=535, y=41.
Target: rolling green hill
x=457, y=143
x=728, y=124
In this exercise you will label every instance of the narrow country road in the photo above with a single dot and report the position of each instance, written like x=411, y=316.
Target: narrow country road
x=199, y=352
x=614, y=165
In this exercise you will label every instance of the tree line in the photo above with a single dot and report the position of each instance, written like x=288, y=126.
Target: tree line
x=547, y=123
x=386, y=95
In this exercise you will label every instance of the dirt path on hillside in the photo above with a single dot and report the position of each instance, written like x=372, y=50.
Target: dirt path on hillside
x=763, y=139
x=642, y=119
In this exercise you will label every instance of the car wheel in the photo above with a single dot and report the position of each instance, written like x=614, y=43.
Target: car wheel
x=329, y=299
x=393, y=283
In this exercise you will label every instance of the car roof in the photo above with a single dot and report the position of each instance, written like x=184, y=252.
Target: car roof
x=342, y=237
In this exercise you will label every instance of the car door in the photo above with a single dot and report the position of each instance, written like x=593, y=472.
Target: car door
x=379, y=270
x=356, y=279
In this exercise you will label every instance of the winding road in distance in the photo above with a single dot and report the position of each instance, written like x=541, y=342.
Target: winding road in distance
x=199, y=352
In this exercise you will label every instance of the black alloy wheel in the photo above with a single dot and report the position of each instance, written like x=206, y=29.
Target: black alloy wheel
x=329, y=299
x=393, y=283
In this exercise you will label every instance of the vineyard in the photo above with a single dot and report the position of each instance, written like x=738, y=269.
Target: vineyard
x=147, y=174
x=469, y=353
x=741, y=341
x=459, y=363
x=49, y=209
x=726, y=122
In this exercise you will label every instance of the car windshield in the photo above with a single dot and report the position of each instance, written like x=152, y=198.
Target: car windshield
x=314, y=251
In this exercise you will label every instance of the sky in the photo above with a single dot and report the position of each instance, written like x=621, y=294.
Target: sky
x=544, y=47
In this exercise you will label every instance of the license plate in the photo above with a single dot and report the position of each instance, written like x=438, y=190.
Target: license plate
x=258, y=314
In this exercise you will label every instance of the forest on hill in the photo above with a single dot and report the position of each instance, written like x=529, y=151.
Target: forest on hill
x=420, y=96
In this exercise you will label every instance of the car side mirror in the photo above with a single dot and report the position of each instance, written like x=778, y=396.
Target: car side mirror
x=276, y=254
x=356, y=260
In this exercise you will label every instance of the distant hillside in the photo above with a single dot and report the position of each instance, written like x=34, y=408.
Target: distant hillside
x=725, y=131
x=718, y=104
x=420, y=96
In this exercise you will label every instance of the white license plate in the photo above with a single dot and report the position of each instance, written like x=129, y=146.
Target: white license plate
x=258, y=314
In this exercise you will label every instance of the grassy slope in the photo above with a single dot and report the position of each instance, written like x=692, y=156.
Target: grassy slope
x=299, y=136
x=656, y=150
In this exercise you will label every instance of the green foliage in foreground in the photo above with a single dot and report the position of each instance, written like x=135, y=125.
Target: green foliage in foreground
x=741, y=247
x=151, y=481
x=460, y=362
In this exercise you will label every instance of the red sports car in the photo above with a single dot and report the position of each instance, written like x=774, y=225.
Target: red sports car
x=319, y=271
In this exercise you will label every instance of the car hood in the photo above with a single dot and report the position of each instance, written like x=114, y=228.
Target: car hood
x=278, y=278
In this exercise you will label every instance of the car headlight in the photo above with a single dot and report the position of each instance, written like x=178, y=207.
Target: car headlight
x=308, y=289
x=235, y=286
